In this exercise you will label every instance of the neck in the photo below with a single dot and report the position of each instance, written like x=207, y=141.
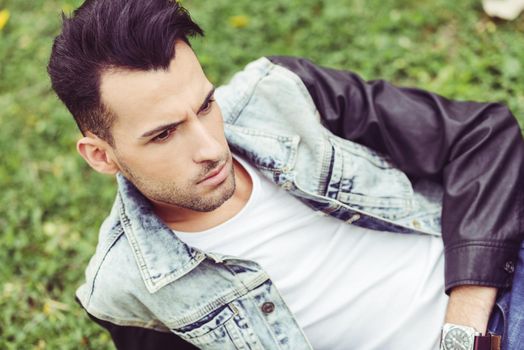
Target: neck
x=193, y=221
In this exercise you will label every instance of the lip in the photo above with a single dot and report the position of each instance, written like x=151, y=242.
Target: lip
x=215, y=177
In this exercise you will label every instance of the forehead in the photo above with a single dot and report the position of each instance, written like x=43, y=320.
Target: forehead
x=145, y=98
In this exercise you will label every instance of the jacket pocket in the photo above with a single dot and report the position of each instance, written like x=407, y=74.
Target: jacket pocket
x=268, y=151
x=367, y=181
x=217, y=330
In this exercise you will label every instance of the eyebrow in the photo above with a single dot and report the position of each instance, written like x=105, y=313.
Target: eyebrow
x=206, y=100
x=161, y=128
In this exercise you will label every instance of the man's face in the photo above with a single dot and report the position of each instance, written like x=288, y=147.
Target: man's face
x=168, y=134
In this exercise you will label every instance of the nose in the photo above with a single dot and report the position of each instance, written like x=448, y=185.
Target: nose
x=206, y=146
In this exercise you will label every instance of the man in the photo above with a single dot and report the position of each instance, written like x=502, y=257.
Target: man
x=296, y=177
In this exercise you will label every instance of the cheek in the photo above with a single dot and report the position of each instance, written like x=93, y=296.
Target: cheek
x=217, y=125
x=160, y=164
x=168, y=162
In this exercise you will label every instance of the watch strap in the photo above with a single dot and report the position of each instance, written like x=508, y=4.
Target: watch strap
x=496, y=341
x=487, y=342
x=482, y=342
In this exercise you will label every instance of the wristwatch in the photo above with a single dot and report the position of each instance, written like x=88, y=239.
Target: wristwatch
x=457, y=337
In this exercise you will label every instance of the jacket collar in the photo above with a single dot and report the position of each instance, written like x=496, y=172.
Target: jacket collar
x=160, y=255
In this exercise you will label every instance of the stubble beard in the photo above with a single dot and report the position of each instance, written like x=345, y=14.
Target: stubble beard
x=183, y=196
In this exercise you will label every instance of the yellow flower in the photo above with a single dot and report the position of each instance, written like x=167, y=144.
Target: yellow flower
x=47, y=309
x=52, y=307
x=67, y=8
x=239, y=21
x=4, y=17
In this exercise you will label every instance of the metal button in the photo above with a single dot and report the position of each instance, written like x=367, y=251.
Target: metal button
x=268, y=307
x=416, y=223
x=509, y=267
x=354, y=218
x=287, y=185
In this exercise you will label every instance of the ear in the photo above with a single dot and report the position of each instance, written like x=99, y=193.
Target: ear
x=97, y=153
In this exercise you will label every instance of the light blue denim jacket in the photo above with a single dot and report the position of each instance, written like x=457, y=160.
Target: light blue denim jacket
x=143, y=275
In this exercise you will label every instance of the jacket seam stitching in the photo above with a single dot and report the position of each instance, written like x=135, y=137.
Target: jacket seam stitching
x=127, y=323
x=99, y=267
x=476, y=282
x=482, y=244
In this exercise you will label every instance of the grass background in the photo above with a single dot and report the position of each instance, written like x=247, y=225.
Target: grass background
x=51, y=204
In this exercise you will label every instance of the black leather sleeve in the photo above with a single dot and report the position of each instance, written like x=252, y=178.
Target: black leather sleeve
x=474, y=149
x=135, y=338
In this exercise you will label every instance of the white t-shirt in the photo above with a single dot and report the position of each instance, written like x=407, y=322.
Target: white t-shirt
x=348, y=287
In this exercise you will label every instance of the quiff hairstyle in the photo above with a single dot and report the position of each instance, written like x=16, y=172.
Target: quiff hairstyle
x=112, y=34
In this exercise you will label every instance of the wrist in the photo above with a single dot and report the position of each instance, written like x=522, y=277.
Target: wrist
x=471, y=306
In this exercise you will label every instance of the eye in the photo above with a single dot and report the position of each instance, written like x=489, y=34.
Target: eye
x=208, y=106
x=163, y=136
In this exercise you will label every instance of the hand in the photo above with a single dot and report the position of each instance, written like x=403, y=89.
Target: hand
x=471, y=306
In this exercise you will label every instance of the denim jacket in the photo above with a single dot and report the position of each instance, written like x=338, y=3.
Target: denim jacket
x=143, y=276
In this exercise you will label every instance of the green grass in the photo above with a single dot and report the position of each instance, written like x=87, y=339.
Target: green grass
x=51, y=204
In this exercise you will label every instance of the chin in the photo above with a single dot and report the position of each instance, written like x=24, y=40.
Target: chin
x=225, y=192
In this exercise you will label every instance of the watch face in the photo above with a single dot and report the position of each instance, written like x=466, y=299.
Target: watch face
x=458, y=339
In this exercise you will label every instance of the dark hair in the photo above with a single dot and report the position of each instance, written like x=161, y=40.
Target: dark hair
x=106, y=34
